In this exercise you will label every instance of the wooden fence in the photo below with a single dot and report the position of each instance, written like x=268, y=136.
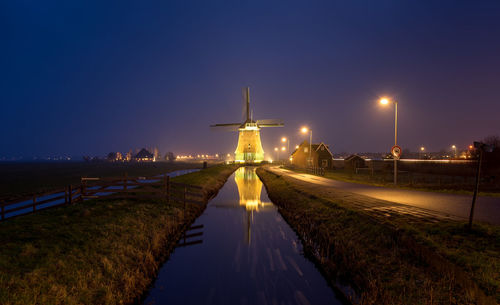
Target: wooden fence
x=158, y=187
x=320, y=171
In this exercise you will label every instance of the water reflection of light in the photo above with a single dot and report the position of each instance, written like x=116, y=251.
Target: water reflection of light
x=249, y=189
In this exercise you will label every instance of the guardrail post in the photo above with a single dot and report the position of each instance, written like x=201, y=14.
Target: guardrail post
x=70, y=194
x=34, y=203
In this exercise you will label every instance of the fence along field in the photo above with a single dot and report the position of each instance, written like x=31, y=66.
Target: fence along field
x=157, y=187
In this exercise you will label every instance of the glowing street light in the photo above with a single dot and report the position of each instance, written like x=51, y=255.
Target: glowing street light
x=385, y=101
x=454, y=151
x=276, y=149
x=283, y=148
x=304, y=130
x=287, y=140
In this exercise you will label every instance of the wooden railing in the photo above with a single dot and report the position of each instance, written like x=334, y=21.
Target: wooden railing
x=158, y=187
x=320, y=171
x=32, y=204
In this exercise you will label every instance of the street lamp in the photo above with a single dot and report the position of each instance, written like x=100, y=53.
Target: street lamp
x=277, y=154
x=287, y=140
x=454, y=151
x=385, y=101
x=422, y=149
x=304, y=130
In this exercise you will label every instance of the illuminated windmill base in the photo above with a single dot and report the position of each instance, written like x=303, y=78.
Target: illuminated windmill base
x=249, y=149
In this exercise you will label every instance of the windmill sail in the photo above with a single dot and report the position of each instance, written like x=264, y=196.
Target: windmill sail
x=249, y=149
x=270, y=123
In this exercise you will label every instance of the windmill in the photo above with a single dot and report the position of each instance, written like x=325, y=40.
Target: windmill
x=249, y=149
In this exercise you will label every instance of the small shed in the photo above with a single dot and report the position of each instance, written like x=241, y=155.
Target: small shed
x=354, y=161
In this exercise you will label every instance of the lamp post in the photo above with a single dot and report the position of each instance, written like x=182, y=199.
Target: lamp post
x=454, y=151
x=287, y=140
x=305, y=130
x=277, y=154
x=385, y=101
x=422, y=149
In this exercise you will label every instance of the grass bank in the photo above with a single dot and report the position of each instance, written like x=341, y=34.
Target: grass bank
x=18, y=179
x=392, y=262
x=97, y=252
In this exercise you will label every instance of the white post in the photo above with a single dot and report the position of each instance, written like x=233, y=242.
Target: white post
x=395, y=141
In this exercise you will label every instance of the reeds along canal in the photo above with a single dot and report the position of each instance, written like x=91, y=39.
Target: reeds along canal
x=248, y=255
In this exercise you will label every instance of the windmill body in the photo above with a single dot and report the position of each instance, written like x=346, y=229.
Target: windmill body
x=249, y=149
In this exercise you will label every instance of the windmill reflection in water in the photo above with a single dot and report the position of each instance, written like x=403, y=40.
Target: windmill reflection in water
x=249, y=189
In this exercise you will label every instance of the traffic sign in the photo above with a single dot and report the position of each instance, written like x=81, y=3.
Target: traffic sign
x=396, y=151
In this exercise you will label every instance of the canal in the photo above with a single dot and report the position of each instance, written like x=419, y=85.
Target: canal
x=248, y=255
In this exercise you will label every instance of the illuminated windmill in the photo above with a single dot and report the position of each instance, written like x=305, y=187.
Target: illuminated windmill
x=249, y=149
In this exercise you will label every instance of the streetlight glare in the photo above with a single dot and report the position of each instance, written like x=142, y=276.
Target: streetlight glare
x=384, y=101
x=283, y=148
x=304, y=129
x=283, y=139
x=422, y=148
x=276, y=149
x=296, y=146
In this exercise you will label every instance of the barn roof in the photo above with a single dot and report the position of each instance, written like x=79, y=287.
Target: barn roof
x=314, y=147
x=144, y=153
x=352, y=157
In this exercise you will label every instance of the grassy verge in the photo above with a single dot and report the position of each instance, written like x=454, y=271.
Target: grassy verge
x=24, y=179
x=383, y=181
x=392, y=262
x=98, y=252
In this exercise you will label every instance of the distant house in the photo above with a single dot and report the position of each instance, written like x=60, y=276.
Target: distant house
x=114, y=156
x=354, y=161
x=320, y=154
x=144, y=156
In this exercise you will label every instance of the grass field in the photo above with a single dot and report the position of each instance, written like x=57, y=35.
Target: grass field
x=97, y=252
x=23, y=179
x=392, y=261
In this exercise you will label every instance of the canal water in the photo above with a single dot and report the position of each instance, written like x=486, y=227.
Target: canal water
x=248, y=255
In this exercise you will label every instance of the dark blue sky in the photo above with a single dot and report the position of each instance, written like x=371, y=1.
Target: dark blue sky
x=89, y=77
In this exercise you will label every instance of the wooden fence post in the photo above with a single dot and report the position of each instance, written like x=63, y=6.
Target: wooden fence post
x=168, y=189
x=70, y=195
x=82, y=189
x=184, y=197
x=34, y=203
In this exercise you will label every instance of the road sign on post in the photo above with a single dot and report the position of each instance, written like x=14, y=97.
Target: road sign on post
x=396, y=152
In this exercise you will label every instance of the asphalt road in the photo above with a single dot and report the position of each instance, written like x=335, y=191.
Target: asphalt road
x=487, y=208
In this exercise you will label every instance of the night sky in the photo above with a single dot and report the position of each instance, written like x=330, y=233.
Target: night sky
x=90, y=77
